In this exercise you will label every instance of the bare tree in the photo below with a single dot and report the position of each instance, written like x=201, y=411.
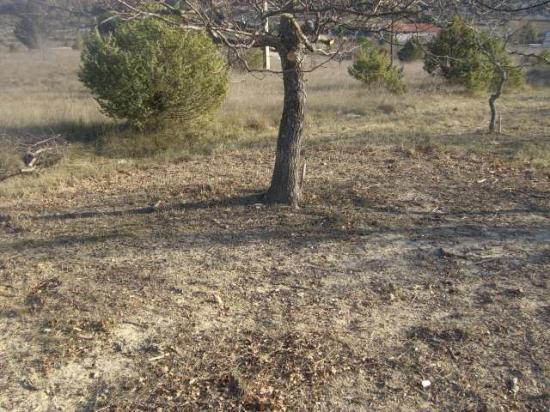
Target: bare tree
x=302, y=26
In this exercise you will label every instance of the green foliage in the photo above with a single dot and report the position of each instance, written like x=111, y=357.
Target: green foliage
x=411, y=51
x=466, y=56
x=107, y=23
x=372, y=66
x=147, y=71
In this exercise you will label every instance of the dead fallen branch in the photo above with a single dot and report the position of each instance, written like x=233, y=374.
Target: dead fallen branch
x=35, y=150
x=34, y=155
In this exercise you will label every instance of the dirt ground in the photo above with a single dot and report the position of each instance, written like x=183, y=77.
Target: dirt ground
x=172, y=288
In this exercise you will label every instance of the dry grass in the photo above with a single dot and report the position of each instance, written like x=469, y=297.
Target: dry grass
x=40, y=91
x=41, y=96
x=401, y=267
x=421, y=252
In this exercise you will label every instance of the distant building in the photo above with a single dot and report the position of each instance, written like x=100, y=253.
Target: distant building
x=546, y=41
x=422, y=31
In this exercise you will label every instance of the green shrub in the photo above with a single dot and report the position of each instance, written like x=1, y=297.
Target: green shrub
x=107, y=23
x=466, y=56
x=411, y=51
x=147, y=72
x=372, y=66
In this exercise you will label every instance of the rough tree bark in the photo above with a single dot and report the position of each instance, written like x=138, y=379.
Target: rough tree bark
x=495, y=96
x=286, y=181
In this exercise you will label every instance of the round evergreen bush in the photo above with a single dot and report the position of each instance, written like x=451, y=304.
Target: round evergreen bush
x=464, y=55
x=148, y=72
x=372, y=66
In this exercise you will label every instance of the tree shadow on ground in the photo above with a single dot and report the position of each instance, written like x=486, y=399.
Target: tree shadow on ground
x=529, y=202
x=76, y=132
x=292, y=236
x=230, y=201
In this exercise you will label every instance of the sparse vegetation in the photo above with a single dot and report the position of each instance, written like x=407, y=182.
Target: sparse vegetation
x=139, y=271
x=149, y=73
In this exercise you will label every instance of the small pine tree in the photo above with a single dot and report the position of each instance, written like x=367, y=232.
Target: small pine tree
x=411, y=51
x=474, y=59
x=147, y=71
x=372, y=66
x=469, y=57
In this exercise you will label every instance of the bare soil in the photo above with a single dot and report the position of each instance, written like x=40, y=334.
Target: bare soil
x=173, y=288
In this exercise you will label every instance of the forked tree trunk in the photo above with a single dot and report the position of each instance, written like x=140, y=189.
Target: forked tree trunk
x=286, y=182
x=494, y=97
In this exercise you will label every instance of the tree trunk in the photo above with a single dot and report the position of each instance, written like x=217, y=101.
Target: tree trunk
x=494, y=97
x=286, y=181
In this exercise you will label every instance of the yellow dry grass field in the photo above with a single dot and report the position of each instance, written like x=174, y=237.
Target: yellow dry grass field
x=140, y=272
